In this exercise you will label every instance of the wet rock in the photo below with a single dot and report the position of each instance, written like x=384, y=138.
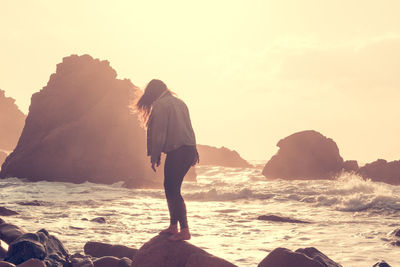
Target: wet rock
x=381, y=264
x=305, y=155
x=98, y=249
x=10, y=232
x=32, y=263
x=308, y=257
x=12, y=121
x=7, y=212
x=221, y=157
x=40, y=245
x=99, y=220
x=80, y=128
x=275, y=218
x=160, y=252
x=382, y=171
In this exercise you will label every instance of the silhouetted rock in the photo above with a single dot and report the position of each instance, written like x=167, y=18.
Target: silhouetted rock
x=308, y=257
x=274, y=218
x=80, y=128
x=12, y=121
x=160, y=252
x=221, y=157
x=350, y=166
x=305, y=155
x=381, y=264
x=382, y=171
x=40, y=246
x=7, y=212
x=98, y=249
x=3, y=156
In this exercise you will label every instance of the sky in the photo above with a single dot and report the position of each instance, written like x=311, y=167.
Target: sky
x=251, y=72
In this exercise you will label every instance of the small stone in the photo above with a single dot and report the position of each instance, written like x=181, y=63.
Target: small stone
x=99, y=220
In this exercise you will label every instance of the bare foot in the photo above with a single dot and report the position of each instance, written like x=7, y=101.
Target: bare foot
x=172, y=229
x=184, y=234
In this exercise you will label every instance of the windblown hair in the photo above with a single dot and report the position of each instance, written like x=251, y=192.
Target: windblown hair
x=151, y=93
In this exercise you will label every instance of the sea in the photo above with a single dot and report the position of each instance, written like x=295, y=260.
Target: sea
x=351, y=219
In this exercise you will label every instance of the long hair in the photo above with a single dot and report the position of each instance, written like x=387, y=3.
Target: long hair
x=151, y=93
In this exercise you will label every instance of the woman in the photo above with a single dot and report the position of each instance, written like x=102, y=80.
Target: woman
x=169, y=130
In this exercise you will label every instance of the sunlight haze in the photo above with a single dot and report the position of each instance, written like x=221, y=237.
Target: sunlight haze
x=251, y=72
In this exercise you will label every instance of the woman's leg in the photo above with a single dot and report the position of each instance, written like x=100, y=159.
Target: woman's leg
x=177, y=164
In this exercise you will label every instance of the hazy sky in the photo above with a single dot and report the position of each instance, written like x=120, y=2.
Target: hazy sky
x=251, y=72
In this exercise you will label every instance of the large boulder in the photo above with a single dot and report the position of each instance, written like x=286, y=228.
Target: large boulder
x=308, y=257
x=40, y=245
x=221, y=157
x=382, y=171
x=305, y=155
x=80, y=128
x=12, y=121
x=160, y=252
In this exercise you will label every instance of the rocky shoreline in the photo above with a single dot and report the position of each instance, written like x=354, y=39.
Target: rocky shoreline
x=41, y=249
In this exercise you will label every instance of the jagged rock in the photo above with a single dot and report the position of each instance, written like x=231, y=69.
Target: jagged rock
x=382, y=171
x=12, y=121
x=221, y=157
x=160, y=252
x=305, y=155
x=7, y=212
x=40, y=245
x=10, y=232
x=381, y=264
x=80, y=128
x=308, y=257
x=275, y=218
x=98, y=249
x=350, y=166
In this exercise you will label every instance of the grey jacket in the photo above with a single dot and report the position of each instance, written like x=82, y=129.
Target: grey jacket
x=169, y=127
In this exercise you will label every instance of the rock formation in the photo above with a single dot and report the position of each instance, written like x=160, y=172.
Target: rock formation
x=160, y=252
x=12, y=121
x=308, y=257
x=221, y=157
x=305, y=155
x=382, y=171
x=80, y=128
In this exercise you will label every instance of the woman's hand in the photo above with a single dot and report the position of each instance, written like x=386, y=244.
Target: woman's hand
x=155, y=164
